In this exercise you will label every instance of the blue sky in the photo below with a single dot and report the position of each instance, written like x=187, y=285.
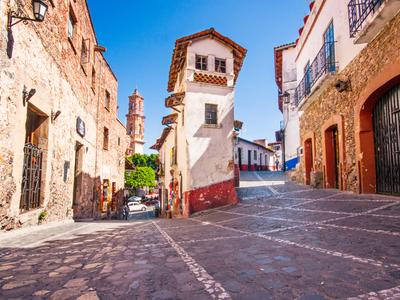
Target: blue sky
x=140, y=36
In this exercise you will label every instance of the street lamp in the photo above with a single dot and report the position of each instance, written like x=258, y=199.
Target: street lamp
x=286, y=97
x=39, y=12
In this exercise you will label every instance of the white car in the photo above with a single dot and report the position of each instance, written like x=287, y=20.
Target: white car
x=136, y=206
x=134, y=199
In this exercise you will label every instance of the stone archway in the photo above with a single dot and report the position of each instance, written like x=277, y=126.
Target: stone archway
x=364, y=129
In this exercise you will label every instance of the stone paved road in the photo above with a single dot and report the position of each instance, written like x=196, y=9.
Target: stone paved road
x=281, y=242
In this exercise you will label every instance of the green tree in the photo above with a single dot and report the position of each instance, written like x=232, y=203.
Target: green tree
x=144, y=160
x=138, y=160
x=142, y=177
x=152, y=161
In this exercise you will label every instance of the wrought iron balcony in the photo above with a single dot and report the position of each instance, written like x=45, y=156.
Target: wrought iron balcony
x=323, y=63
x=359, y=11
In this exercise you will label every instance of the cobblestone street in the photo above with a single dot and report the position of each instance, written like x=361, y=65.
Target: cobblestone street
x=282, y=241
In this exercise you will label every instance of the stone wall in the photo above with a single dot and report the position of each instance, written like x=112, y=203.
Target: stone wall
x=45, y=59
x=327, y=102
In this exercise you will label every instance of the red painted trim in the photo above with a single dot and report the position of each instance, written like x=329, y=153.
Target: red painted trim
x=252, y=168
x=215, y=195
x=237, y=176
x=245, y=168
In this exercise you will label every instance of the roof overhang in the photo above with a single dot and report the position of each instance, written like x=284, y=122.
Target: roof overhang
x=159, y=143
x=278, y=58
x=170, y=119
x=175, y=100
x=180, y=52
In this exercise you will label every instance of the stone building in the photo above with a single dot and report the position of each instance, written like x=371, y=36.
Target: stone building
x=61, y=145
x=253, y=156
x=135, y=123
x=197, y=147
x=348, y=76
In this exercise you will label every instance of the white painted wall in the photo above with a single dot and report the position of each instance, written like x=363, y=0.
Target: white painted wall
x=311, y=40
x=210, y=149
x=290, y=111
x=267, y=156
x=205, y=153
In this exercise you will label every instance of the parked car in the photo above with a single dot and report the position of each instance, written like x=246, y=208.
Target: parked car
x=150, y=202
x=134, y=199
x=136, y=206
x=152, y=196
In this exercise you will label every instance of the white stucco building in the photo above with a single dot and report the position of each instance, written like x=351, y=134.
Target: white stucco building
x=197, y=147
x=253, y=156
x=285, y=74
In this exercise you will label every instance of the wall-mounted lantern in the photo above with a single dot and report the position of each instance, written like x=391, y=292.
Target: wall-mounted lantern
x=39, y=13
x=26, y=96
x=55, y=115
x=286, y=97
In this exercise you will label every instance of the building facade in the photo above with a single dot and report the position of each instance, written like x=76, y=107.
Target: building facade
x=348, y=76
x=197, y=146
x=135, y=123
x=285, y=76
x=253, y=156
x=61, y=145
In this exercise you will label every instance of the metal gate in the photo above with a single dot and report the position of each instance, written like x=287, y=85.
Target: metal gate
x=387, y=142
x=32, y=176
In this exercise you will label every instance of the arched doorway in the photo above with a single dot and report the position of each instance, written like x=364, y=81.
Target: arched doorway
x=332, y=158
x=308, y=159
x=386, y=126
x=379, y=104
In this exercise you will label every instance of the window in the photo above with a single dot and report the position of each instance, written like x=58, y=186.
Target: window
x=107, y=100
x=211, y=111
x=119, y=141
x=93, y=79
x=220, y=65
x=140, y=129
x=201, y=62
x=255, y=155
x=85, y=52
x=71, y=24
x=105, y=138
x=307, y=77
x=329, y=42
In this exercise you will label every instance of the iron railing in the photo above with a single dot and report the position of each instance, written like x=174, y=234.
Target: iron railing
x=323, y=63
x=31, y=178
x=359, y=10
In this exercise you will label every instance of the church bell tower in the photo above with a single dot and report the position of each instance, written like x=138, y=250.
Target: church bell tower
x=135, y=123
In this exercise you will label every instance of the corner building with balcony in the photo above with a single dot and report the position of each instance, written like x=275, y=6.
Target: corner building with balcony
x=62, y=147
x=348, y=95
x=197, y=146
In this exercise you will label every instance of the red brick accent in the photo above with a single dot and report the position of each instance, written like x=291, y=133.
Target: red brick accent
x=245, y=168
x=219, y=194
x=211, y=79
